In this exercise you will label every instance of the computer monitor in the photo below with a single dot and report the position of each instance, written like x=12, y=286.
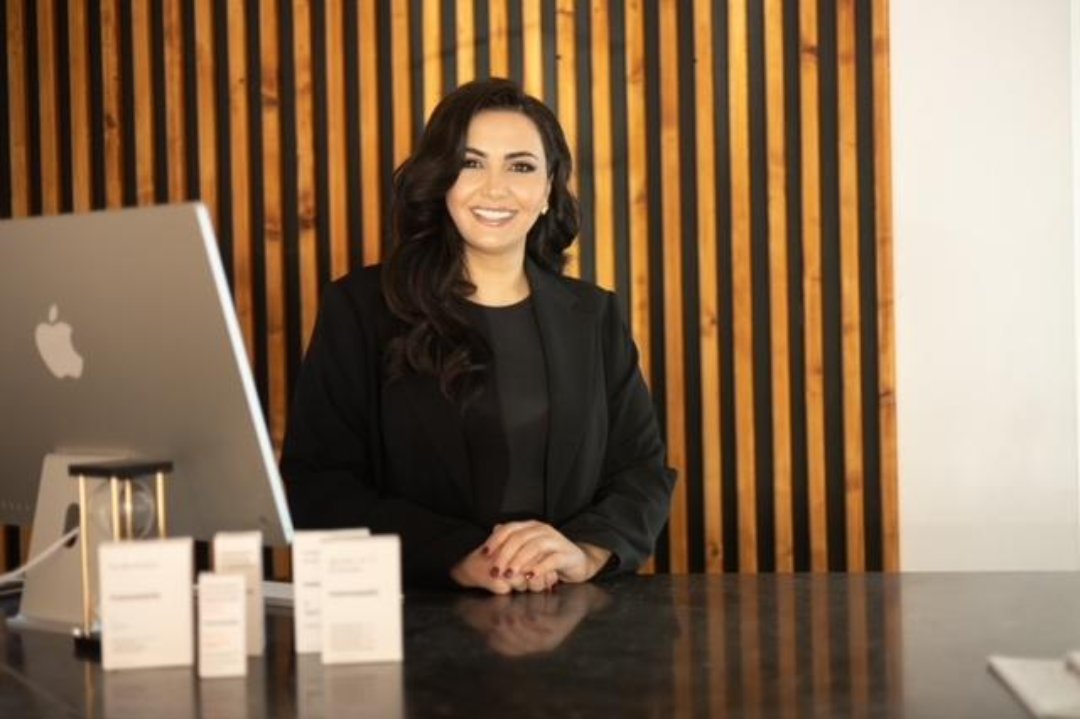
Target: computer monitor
x=118, y=337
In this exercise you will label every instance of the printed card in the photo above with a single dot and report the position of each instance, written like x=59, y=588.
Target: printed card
x=361, y=599
x=146, y=603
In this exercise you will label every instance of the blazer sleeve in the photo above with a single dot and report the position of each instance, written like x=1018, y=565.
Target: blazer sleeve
x=331, y=458
x=634, y=494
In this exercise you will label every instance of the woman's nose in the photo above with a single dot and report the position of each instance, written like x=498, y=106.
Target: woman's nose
x=495, y=184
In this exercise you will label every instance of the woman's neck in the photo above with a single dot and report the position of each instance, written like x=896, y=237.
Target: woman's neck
x=499, y=279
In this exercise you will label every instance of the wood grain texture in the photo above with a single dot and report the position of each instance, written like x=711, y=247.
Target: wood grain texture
x=566, y=54
x=142, y=51
x=779, y=322
x=19, y=172
x=532, y=29
x=886, y=347
x=240, y=182
x=466, y=42
x=671, y=241
x=603, y=169
x=849, y=288
x=741, y=282
x=709, y=325
x=337, y=134
x=79, y=98
x=812, y=312
x=370, y=142
x=206, y=118
x=499, y=35
x=48, y=123
x=113, y=142
x=175, y=119
x=432, y=75
x=270, y=234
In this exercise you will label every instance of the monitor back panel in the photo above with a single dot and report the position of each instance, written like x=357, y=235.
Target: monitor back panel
x=162, y=371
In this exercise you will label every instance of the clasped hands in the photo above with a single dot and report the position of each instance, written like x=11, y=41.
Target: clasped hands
x=529, y=556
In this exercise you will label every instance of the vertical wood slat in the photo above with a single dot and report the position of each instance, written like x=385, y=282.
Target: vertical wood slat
x=337, y=130
x=499, y=31
x=206, y=119
x=48, y=132
x=778, y=274
x=601, y=143
x=399, y=41
x=466, y=42
x=741, y=282
x=672, y=271
x=113, y=141
x=849, y=279
x=533, y=48
x=16, y=79
x=432, y=75
x=142, y=52
x=886, y=338
x=80, y=105
x=638, y=185
x=174, y=100
x=811, y=241
x=709, y=323
x=271, y=232
x=240, y=162
x=698, y=256
x=369, y=131
x=305, y=166
x=566, y=52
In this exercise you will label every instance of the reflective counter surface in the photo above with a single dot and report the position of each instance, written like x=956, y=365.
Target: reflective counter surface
x=912, y=645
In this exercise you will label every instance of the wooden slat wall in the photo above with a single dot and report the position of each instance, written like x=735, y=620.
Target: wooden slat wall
x=732, y=165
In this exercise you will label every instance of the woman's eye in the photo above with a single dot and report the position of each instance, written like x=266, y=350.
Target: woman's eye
x=470, y=163
x=523, y=167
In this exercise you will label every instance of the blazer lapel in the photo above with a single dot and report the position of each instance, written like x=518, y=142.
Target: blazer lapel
x=569, y=348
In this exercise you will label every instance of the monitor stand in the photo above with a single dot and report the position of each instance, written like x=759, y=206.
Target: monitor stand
x=52, y=591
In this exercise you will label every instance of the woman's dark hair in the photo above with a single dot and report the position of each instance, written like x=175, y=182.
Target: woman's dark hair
x=423, y=279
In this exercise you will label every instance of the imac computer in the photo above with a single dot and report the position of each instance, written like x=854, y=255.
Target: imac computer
x=119, y=339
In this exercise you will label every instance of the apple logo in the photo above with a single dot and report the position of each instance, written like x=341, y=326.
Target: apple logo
x=54, y=343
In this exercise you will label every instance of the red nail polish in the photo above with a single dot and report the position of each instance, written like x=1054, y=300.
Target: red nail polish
x=530, y=575
x=494, y=572
x=508, y=573
x=485, y=551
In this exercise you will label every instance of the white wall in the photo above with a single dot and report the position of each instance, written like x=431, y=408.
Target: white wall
x=985, y=274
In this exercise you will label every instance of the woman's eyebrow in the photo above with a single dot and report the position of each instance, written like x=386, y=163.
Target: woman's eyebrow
x=508, y=156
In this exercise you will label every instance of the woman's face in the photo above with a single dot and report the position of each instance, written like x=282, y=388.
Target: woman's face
x=503, y=185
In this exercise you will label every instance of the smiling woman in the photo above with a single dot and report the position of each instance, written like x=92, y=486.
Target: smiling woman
x=468, y=397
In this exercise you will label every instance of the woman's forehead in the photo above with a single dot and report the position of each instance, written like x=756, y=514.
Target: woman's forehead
x=503, y=132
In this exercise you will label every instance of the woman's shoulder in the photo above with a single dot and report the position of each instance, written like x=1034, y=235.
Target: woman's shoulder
x=360, y=288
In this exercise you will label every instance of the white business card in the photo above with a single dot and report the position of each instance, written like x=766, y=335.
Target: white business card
x=361, y=599
x=307, y=585
x=222, y=625
x=146, y=603
x=241, y=553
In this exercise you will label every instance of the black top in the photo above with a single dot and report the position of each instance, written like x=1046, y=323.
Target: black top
x=507, y=426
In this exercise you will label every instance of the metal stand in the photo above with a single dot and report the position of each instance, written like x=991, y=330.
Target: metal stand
x=121, y=475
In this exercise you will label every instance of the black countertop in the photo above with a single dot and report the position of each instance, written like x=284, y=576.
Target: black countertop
x=912, y=645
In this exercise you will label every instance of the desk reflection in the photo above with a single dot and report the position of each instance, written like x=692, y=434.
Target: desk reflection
x=757, y=646
x=516, y=625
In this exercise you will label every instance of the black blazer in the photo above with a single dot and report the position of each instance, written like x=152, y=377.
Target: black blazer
x=360, y=451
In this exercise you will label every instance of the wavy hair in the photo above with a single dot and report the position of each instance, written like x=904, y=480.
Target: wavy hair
x=423, y=278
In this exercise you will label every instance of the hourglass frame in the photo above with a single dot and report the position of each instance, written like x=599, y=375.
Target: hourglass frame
x=121, y=475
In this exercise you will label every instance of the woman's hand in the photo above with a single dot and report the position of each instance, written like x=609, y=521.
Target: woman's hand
x=475, y=571
x=535, y=551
